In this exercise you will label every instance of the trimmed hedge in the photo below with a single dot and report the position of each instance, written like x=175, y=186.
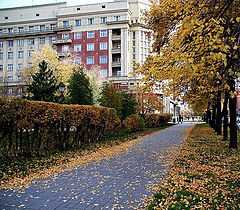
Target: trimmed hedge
x=32, y=127
x=134, y=123
x=153, y=120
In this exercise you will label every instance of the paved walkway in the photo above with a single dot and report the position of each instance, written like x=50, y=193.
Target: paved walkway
x=120, y=182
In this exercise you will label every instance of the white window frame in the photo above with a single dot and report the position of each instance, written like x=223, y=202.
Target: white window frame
x=103, y=20
x=103, y=33
x=42, y=40
x=65, y=36
x=1, y=44
x=90, y=34
x=31, y=28
x=117, y=18
x=20, y=66
x=78, y=35
x=10, y=55
x=103, y=46
x=78, y=22
x=20, y=42
x=65, y=48
x=31, y=41
x=65, y=23
x=77, y=48
x=90, y=46
x=30, y=53
x=10, y=43
x=20, y=54
x=78, y=60
x=10, y=78
x=10, y=67
x=92, y=59
x=103, y=60
x=90, y=21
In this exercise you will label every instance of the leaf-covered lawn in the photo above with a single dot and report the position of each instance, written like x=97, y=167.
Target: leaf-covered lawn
x=205, y=175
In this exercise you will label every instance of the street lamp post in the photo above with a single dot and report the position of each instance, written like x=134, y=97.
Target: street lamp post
x=62, y=87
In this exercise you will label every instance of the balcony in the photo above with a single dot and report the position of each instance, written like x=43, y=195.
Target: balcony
x=116, y=50
x=62, y=41
x=116, y=37
x=116, y=64
x=58, y=29
x=64, y=54
x=118, y=22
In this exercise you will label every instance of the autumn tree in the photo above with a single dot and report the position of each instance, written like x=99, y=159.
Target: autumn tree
x=197, y=46
x=44, y=84
x=62, y=68
x=112, y=97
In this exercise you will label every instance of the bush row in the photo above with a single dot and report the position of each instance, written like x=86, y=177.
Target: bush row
x=136, y=122
x=33, y=127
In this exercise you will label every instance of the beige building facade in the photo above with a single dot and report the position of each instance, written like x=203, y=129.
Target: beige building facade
x=109, y=35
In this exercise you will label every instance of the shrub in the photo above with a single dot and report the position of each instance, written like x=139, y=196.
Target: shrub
x=134, y=123
x=156, y=120
x=30, y=127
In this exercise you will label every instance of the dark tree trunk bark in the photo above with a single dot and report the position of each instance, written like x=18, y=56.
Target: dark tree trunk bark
x=233, y=115
x=225, y=117
x=219, y=115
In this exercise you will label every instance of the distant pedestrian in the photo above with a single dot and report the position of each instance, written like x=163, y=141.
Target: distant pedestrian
x=174, y=120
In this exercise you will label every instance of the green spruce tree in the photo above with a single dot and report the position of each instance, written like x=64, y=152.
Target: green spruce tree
x=44, y=84
x=79, y=89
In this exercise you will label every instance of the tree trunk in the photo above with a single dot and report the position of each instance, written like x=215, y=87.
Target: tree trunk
x=219, y=114
x=233, y=115
x=225, y=117
x=213, y=121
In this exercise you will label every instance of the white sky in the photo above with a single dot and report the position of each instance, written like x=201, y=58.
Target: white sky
x=20, y=3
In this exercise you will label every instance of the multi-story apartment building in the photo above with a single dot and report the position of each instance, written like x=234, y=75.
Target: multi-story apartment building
x=109, y=35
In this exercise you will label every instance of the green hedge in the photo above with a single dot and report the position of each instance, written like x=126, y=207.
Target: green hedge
x=34, y=128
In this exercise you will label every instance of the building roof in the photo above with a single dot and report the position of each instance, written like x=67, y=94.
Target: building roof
x=39, y=5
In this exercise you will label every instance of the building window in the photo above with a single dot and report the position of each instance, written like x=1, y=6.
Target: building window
x=42, y=40
x=1, y=44
x=1, y=56
x=134, y=35
x=31, y=41
x=103, y=20
x=10, y=55
x=134, y=43
x=52, y=38
x=90, y=21
x=103, y=59
x=1, y=31
x=20, y=42
x=1, y=79
x=30, y=53
x=31, y=28
x=52, y=26
x=10, y=43
x=78, y=60
x=77, y=48
x=103, y=46
x=10, y=67
x=65, y=48
x=78, y=35
x=1, y=67
x=90, y=60
x=20, y=67
x=134, y=49
x=116, y=18
x=65, y=23
x=134, y=56
x=65, y=36
x=10, y=90
x=103, y=73
x=90, y=46
x=37, y=15
x=19, y=78
x=20, y=89
x=42, y=28
x=10, y=78
x=10, y=30
x=90, y=34
x=6, y=18
x=77, y=22
x=20, y=54
x=20, y=30
x=103, y=33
